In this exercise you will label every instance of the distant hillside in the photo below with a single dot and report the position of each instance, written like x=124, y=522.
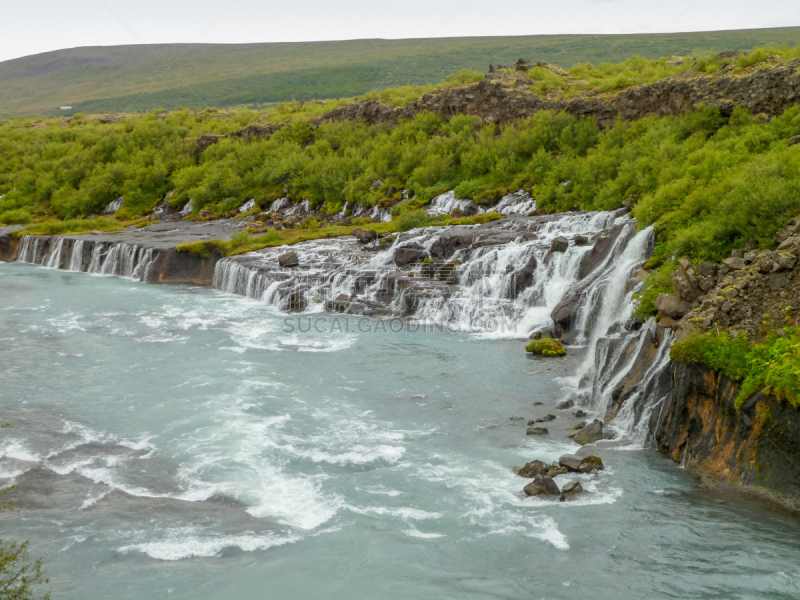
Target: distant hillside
x=139, y=78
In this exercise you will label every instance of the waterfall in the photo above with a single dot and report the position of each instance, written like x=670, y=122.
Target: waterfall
x=518, y=203
x=105, y=258
x=446, y=203
x=76, y=257
x=489, y=275
x=54, y=258
x=502, y=279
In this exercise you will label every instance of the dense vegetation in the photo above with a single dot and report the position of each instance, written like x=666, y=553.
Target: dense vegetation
x=134, y=78
x=772, y=365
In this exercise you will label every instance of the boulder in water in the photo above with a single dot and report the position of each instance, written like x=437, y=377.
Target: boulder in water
x=589, y=434
x=580, y=414
x=534, y=468
x=542, y=485
x=581, y=464
x=581, y=240
x=571, y=490
x=559, y=244
x=289, y=259
x=546, y=419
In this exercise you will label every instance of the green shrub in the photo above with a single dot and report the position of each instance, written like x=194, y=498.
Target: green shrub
x=18, y=216
x=413, y=219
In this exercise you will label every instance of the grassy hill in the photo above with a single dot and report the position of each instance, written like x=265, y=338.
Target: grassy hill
x=138, y=78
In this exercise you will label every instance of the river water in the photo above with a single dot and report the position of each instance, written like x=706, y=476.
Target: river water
x=171, y=442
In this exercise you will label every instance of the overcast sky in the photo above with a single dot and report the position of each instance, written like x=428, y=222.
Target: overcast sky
x=34, y=26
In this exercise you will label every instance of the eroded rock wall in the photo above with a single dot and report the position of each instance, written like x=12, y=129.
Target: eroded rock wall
x=755, y=449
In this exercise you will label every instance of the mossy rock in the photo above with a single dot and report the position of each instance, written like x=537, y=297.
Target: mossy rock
x=546, y=347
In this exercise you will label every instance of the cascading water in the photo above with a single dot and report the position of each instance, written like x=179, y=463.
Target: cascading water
x=503, y=279
x=121, y=259
x=446, y=203
x=518, y=203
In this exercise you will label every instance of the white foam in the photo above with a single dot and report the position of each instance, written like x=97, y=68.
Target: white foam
x=419, y=534
x=548, y=532
x=181, y=546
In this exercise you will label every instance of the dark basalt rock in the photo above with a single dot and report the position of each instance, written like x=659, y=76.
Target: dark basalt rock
x=559, y=244
x=599, y=252
x=580, y=240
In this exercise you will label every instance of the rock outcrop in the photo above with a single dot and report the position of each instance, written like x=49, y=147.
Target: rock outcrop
x=755, y=449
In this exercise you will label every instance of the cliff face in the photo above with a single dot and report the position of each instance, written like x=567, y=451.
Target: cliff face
x=756, y=449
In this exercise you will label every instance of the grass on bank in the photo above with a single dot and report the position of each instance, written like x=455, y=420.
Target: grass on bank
x=772, y=365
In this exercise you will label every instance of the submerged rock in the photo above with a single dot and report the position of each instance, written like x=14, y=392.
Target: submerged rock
x=542, y=485
x=537, y=431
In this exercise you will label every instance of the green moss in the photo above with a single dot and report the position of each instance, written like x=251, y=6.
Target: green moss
x=546, y=347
